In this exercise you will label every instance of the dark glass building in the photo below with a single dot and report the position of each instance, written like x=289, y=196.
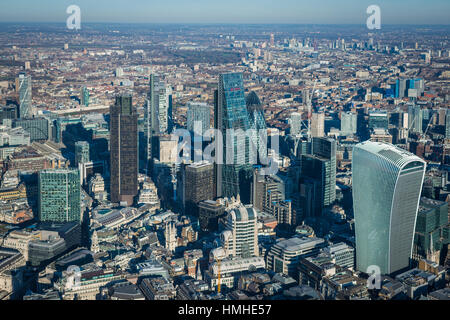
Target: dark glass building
x=124, y=150
x=198, y=185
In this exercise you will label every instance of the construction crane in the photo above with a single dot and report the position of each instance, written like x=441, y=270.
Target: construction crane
x=424, y=136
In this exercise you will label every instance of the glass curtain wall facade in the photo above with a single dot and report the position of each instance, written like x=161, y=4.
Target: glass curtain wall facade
x=231, y=113
x=387, y=184
x=59, y=196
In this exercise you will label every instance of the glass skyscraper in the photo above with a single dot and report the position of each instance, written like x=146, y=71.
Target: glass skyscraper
x=318, y=170
x=296, y=123
x=198, y=118
x=387, y=184
x=378, y=119
x=158, y=117
x=349, y=123
x=84, y=97
x=231, y=113
x=25, y=95
x=257, y=123
x=415, y=119
x=59, y=196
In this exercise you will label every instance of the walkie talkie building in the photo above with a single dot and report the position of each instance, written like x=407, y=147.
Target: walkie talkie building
x=387, y=184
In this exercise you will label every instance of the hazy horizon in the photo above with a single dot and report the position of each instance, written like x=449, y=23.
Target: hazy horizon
x=323, y=12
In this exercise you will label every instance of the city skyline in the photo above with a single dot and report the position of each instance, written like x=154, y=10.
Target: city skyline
x=224, y=162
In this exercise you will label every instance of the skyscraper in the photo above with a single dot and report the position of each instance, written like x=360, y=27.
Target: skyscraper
x=124, y=150
x=349, y=123
x=160, y=105
x=257, y=123
x=230, y=112
x=59, y=196
x=157, y=115
x=318, y=171
x=318, y=124
x=198, y=185
x=84, y=97
x=387, y=183
x=24, y=87
x=198, y=118
x=296, y=123
x=378, y=119
x=400, y=88
x=415, y=119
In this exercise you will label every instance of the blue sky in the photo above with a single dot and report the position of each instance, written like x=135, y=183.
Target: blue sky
x=228, y=11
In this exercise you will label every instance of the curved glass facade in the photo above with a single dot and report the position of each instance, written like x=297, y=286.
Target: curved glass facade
x=387, y=183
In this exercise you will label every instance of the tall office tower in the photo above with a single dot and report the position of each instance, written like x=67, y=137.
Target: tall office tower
x=387, y=183
x=198, y=185
x=59, y=196
x=157, y=116
x=82, y=152
x=272, y=40
x=447, y=125
x=240, y=235
x=198, y=118
x=84, y=97
x=442, y=116
x=378, y=119
x=415, y=87
x=349, y=122
x=160, y=99
x=24, y=88
x=296, y=123
x=230, y=112
x=124, y=150
x=318, y=171
x=415, y=119
x=432, y=230
x=318, y=125
x=257, y=123
x=400, y=88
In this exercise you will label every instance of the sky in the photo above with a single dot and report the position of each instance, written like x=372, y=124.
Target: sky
x=415, y=12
